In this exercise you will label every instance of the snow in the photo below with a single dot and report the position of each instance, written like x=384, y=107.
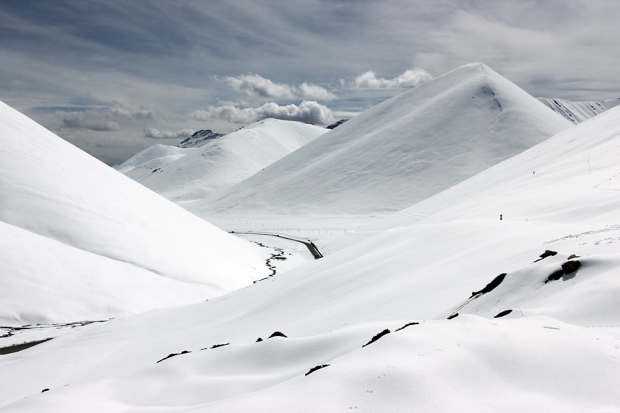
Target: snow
x=76, y=231
x=577, y=112
x=401, y=151
x=225, y=161
x=143, y=163
x=557, y=350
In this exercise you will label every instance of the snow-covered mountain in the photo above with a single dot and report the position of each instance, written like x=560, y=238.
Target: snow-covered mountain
x=401, y=151
x=373, y=326
x=577, y=112
x=223, y=162
x=82, y=241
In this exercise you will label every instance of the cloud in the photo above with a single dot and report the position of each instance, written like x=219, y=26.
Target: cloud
x=140, y=113
x=256, y=85
x=410, y=78
x=157, y=134
x=82, y=121
x=307, y=111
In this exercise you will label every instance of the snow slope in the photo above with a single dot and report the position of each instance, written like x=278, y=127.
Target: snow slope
x=557, y=350
x=577, y=112
x=401, y=151
x=79, y=233
x=223, y=162
x=151, y=159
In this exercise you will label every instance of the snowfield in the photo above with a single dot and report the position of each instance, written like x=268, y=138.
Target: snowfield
x=496, y=293
x=76, y=232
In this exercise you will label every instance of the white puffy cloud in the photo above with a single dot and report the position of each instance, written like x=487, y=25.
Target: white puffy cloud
x=410, y=78
x=307, y=111
x=256, y=85
x=84, y=121
x=157, y=134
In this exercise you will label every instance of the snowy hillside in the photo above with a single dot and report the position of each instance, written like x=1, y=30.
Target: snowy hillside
x=151, y=159
x=76, y=232
x=401, y=151
x=223, y=162
x=577, y=112
x=442, y=307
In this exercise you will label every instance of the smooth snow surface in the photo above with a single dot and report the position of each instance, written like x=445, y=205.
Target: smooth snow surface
x=223, y=162
x=82, y=240
x=557, y=350
x=577, y=112
x=151, y=159
x=401, y=151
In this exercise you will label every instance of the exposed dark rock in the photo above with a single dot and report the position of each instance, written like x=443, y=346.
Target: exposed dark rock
x=406, y=325
x=568, y=267
x=503, y=313
x=490, y=286
x=554, y=276
x=173, y=355
x=219, y=345
x=335, y=125
x=546, y=254
x=199, y=138
x=44, y=390
x=453, y=316
x=377, y=337
x=572, y=256
x=277, y=334
x=259, y=340
x=313, y=369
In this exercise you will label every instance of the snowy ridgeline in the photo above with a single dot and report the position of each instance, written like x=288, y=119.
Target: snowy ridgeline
x=439, y=307
x=577, y=112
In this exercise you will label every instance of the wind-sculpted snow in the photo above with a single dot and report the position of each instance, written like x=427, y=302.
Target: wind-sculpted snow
x=401, y=151
x=85, y=241
x=225, y=161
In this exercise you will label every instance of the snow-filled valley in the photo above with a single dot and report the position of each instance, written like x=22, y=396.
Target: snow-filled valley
x=471, y=252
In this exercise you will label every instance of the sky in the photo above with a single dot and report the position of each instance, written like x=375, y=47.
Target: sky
x=115, y=77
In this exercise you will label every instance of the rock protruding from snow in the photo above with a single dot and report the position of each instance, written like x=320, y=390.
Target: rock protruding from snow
x=336, y=124
x=403, y=150
x=199, y=138
x=577, y=112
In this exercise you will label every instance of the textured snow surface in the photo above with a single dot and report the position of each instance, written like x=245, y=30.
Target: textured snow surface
x=77, y=235
x=577, y=112
x=401, y=151
x=557, y=350
x=225, y=161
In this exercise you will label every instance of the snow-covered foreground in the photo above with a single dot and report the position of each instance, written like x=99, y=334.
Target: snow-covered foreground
x=557, y=349
x=80, y=241
x=199, y=173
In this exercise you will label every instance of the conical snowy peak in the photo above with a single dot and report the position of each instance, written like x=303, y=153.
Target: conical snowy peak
x=404, y=149
x=76, y=229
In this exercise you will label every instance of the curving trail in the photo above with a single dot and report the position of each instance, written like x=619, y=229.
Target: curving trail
x=314, y=250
